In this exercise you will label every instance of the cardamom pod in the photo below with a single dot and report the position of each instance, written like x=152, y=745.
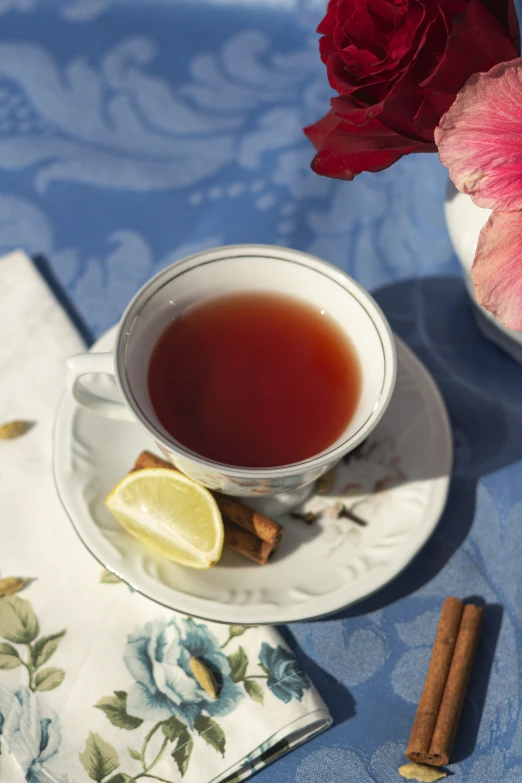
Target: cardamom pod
x=421, y=772
x=13, y=429
x=204, y=677
x=12, y=584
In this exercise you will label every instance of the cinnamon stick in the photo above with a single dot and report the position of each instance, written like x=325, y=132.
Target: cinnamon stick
x=149, y=460
x=439, y=708
x=428, y=709
x=263, y=527
x=246, y=543
x=243, y=541
x=455, y=690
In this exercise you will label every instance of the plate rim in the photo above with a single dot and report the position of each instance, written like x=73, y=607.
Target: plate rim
x=435, y=512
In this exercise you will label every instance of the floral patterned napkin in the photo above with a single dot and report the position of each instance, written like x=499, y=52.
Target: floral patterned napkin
x=95, y=681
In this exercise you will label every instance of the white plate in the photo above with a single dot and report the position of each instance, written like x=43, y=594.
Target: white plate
x=396, y=482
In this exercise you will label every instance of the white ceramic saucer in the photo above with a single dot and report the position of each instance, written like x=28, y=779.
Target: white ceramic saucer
x=385, y=502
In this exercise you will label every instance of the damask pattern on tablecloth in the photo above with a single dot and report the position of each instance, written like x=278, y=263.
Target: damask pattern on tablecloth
x=165, y=150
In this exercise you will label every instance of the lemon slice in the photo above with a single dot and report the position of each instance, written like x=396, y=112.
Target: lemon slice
x=170, y=514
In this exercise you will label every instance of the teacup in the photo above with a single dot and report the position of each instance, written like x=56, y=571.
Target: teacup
x=227, y=270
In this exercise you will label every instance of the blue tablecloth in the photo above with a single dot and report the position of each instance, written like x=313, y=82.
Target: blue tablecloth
x=135, y=132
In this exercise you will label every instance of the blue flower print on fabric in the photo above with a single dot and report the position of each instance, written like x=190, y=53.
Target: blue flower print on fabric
x=33, y=738
x=285, y=679
x=158, y=657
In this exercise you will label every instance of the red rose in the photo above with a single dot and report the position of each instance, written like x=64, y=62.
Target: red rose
x=397, y=66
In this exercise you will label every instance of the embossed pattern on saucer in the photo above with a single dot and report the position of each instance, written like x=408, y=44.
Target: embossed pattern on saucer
x=370, y=516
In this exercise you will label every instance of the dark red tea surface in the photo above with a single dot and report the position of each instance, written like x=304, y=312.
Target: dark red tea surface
x=254, y=380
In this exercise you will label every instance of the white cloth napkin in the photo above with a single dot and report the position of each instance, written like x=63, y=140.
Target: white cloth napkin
x=95, y=681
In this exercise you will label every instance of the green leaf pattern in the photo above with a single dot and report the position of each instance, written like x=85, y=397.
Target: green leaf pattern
x=19, y=625
x=238, y=665
x=9, y=658
x=173, y=728
x=176, y=731
x=211, y=732
x=99, y=758
x=48, y=679
x=115, y=708
x=44, y=647
x=181, y=754
x=255, y=691
x=18, y=622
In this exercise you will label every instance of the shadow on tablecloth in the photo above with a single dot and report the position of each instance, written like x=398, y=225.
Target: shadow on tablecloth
x=481, y=387
x=48, y=274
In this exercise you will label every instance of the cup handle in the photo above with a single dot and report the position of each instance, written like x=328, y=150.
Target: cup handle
x=88, y=364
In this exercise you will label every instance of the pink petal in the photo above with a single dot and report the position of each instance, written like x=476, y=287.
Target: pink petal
x=497, y=269
x=480, y=137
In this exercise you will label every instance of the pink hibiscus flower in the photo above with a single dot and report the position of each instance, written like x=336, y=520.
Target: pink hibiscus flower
x=480, y=142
